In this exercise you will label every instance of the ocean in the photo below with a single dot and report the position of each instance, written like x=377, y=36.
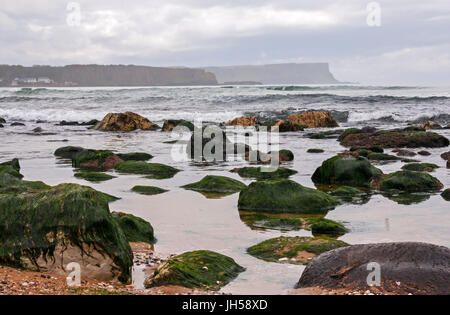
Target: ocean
x=186, y=220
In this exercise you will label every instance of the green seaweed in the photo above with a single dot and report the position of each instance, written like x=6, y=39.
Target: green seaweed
x=94, y=176
x=148, y=190
x=152, y=170
x=263, y=173
x=134, y=228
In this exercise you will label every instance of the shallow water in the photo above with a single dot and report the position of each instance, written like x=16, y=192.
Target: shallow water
x=186, y=220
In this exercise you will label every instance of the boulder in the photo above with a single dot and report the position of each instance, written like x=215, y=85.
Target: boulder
x=284, y=196
x=45, y=228
x=397, y=138
x=152, y=170
x=169, y=125
x=409, y=181
x=446, y=194
x=262, y=173
x=244, y=121
x=148, y=190
x=127, y=121
x=420, y=167
x=294, y=250
x=94, y=176
x=346, y=170
x=415, y=268
x=135, y=229
x=446, y=155
x=429, y=125
x=217, y=184
x=314, y=120
x=200, y=269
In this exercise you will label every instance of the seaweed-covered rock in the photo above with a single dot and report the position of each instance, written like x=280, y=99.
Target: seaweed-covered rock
x=410, y=181
x=420, y=167
x=382, y=157
x=45, y=228
x=322, y=226
x=127, y=121
x=169, y=125
x=210, y=144
x=69, y=152
x=397, y=138
x=294, y=250
x=286, y=126
x=446, y=194
x=135, y=156
x=315, y=151
x=95, y=160
x=415, y=268
x=134, y=228
x=284, y=196
x=346, y=170
x=262, y=173
x=217, y=184
x=406, y=198
x=330, y=134
x=151, y=170
x=200, y=269
x=94, y=176
x=403, y=152
x=12, y=168
x=148, y=190
x=314, y=119
x=346, y=191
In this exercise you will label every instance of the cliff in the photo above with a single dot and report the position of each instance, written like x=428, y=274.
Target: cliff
x=289, y=73
x=98, y=75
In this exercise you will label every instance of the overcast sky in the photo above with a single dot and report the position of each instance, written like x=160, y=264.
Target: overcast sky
x=411, y=46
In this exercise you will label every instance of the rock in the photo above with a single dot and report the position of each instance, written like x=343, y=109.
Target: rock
x=15, y=124
x=346, y=191
x=397, y=138
x=45, y=228
x=2, y=120
x=382, y=157
x=314, y=120
x=95, y=160
x=258, y=157
x=69, y=152
x=188, y=270
x=350, y=131
x=294, y=250
x=127, y=121
x=321, y=226
x=262, y=173
x=286, y=126
x=217, y=184
x=210, y=143
x=94, y=176
x=420, y=167
x=283, y=155
x=68, y=123
x=401, y=152
x=91, y=122
x=330, y=134
x=429, y=125
x=135, y=229
x=315, y=151
x=446, y=155
x=424, y=153
x=448, y=164
x=409, y=181
x=416, y=268
x=11, y=168
x=346, y=170
x=152, y=170
x=1, y=126
x=37, y=130
x=148, y=190
x=446, y=194
x=169, y=125
x=244, y=121
x=135, y=156
x=284, y=196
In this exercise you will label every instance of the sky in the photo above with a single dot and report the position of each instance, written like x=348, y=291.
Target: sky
x=405, y=42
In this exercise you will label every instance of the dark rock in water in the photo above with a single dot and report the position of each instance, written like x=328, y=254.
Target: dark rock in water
x=1, y=126
x=40, y=121
x=286, y=126
x=346, y=170
x=448, y=164
x=382, y=157
x=169, y=125
x=151, y=170
x=38, y=130
x=397, y=138
x=94, y=176
x=69, y=152
x=148, y=190
x=446, y=155
x=200, y=269
x=217, y=184
x=409, y=181
x=2, y=120
x=415, y=268
x=125, y=122
x=45, y=228
x=135, y=156
x=401, y=152
x=294, y=250
x=68, y=123
x=446, y=194
x=92, y=122
x=315, y=151
x=424, y=153
x=330, y=134
x=134, y=228
x=420, y=167
x=16, y=124
x=96, y=160
x=283, y=155
x=284, y=196
x=262, y=173
x=351, y=131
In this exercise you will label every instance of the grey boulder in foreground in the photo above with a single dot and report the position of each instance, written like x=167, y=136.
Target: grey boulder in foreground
x=416, y=268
